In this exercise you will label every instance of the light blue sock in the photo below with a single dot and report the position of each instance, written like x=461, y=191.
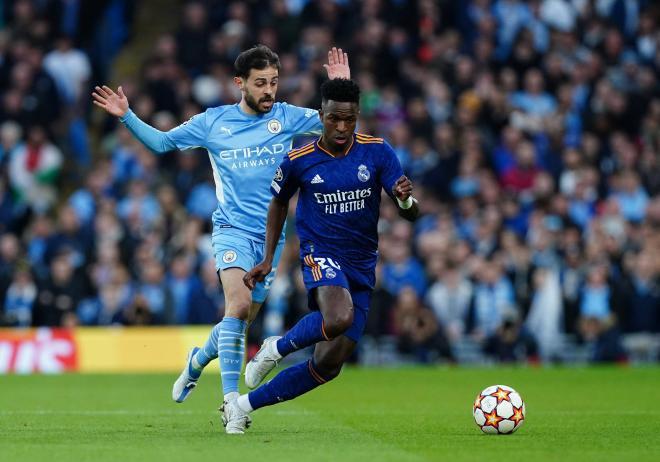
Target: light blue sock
x=210, y=349
x=231, y=349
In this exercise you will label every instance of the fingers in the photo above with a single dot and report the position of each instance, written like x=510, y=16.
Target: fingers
x=120, y=90
x=109, y=91
x=101, y=91
x=337, y=56
x=98, y=98
x=248, y=280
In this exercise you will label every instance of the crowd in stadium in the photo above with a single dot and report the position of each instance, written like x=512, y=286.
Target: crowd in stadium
x=531, y=130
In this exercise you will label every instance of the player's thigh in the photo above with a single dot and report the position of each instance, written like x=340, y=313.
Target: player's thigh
x=238, y=298
x=330, y=356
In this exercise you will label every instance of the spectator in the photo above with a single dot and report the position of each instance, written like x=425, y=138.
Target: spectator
x=449, y=298
x=418, y=331
x=33, y=170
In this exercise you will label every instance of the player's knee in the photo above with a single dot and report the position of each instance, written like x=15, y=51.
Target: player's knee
x=338, y=322
x=329, y=369
x=239, y=309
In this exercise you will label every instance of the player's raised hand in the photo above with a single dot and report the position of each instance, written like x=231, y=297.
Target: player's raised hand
x=337, y=67
x=114, y=103
x=402, y=189
x=257, y=274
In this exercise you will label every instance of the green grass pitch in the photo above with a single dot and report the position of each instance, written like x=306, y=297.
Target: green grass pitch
x=366, y=415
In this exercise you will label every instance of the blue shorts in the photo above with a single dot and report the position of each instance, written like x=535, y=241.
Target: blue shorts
x=320, y=269
x=234, y=250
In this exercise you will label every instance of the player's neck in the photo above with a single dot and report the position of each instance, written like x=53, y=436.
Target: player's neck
x=335, y=151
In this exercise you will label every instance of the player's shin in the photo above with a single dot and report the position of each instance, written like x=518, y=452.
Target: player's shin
x=209, y=351
x=288, y=384
x=231, y=348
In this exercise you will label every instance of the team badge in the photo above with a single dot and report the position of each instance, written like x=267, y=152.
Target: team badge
x=229, y=256
x=330, y=274
x=363, y=173
x=278, y=174
x=274, y=126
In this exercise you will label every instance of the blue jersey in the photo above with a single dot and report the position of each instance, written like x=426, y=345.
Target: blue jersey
x=244, y=151
x=339, y=200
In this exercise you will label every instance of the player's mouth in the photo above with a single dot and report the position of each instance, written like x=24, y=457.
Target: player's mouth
x=267, y=103
x=341, y=139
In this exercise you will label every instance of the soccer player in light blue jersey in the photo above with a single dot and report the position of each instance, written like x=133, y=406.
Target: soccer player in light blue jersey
x=245, y=143
x=339, y=179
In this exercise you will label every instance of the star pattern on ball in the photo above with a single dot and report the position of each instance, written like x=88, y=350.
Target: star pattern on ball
x=501, y=395
x=492, y=419
x=517, y=415
x=477, y=403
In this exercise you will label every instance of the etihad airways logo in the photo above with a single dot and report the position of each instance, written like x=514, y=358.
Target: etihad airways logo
x=343, y=201
x=252, y=156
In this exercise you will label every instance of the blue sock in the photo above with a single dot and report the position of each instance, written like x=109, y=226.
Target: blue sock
x=306, y=332
x=288, y=384
x=231, y=349
x=210, y=349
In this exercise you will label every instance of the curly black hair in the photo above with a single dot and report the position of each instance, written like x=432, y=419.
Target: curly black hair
x=340, y=90
x=258, y=57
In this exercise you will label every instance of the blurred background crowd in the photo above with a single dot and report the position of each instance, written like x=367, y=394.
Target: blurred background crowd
x=531, y=129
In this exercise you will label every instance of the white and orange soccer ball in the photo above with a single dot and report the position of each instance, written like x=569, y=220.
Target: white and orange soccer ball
x=498, y=410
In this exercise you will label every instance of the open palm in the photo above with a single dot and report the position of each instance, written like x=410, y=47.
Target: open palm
x=114, y=103
x=337, y=67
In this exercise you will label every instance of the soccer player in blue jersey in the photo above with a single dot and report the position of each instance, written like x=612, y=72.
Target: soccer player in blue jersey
x=245, y=143
x=339, y=179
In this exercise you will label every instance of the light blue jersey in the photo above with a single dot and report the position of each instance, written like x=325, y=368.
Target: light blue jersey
x=244, y=151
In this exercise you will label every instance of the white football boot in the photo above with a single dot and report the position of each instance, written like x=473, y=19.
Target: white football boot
x=234, y=419
x=187, y=381
x=263, y=362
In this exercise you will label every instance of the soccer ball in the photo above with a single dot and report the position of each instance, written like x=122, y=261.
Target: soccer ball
x=499, y=409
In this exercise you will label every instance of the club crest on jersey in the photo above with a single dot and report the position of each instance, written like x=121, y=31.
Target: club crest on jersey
x=278, y=174
x=229, y=256
x=330, y=273
x=274, y=126
x=363, y=173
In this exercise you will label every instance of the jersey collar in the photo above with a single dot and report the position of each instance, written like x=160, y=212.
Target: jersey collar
x=348, y=151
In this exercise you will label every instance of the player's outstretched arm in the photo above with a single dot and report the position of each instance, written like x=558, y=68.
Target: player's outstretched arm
x=116, y=104
x=337, y=67
x=274, y=224
x=407, y=205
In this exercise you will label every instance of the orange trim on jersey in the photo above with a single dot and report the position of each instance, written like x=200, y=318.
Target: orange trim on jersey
x=315, y=374
x=295, y=154
x=363, y=137
x=302, y=148
x=369, y=142
x=329, y=153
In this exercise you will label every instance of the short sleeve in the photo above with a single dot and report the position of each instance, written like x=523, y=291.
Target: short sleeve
x=390, y=170
x=305, y=121
x=190, y=134
x=285, y=183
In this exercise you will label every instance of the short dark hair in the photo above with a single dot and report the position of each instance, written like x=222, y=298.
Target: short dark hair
x=340, y=90
x=258, y=57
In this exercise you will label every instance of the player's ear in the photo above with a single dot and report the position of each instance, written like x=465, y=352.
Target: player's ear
x=239, y=82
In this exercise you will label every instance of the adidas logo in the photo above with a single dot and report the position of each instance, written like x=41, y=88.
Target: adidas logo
x=317, y=179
